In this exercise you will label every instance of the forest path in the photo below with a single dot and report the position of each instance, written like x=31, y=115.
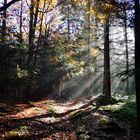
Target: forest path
x=53, y=120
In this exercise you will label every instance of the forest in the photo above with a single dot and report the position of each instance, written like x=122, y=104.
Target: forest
x=69, y=70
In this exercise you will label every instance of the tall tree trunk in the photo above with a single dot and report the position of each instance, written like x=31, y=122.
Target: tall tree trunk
x=33, y=23
x=4, y=24
x=20, y=36
x=95, y=36
x=137, y=58
x=3, y=53
x=95, y=41
x=31, y=36
x=20, y=24
x=36, y=16
x=34, y=28
x=40, y=33
x=68, y=21
x=106, y=78
x=88, y=27
x=127, y=52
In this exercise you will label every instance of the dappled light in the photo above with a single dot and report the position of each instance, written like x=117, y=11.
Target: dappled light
x=69, y=69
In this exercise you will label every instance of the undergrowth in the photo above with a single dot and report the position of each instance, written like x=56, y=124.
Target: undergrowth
x=124, y=109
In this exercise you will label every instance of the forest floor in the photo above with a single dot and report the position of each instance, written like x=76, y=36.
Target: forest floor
x=82, y=119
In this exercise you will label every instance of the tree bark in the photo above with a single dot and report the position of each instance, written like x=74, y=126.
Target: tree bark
x=3, y=53
x=33, y=23
x=88, y=27
x=137, y=58
x=20, y=35
x=68, y=21
x=127, y=51
x=106, y=78
x=5, y=6
x=40, y=33
x=30, y=35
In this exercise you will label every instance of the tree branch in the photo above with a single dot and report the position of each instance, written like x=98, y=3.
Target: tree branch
x=8, y=5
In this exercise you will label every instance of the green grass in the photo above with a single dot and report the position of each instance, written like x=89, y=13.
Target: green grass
x=104, y=120
x=76, y=114
x=82, y=133
x=18, y=132
x=124, y=109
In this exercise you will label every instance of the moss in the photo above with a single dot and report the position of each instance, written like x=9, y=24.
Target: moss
x=30, y=103
x=103, y=100
x=83, y=137
x=24, y=127
x=81, y=132
x=76, y=114
x=104, y=120
x=111, y=108
x=52, y=112
x=124, y=109
x=17, y=133
x=12, y=134
x=122, y=100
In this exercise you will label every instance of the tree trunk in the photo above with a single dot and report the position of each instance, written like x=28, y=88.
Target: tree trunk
x=137, y=58
x=40, y=33
x=106, y=78
x=33, y=23
x=3, y=53
x=127, y=52
x=31, y=38
x=20, y=36
x=68, y=21
x=88, y=27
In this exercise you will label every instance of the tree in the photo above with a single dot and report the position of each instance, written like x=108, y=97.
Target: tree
x=126, y=47
x=5, y=6
x=20, y=33
x=40, y=33
x=106, y=80
x=31, y=34
x=3, y=51
x=137, y=58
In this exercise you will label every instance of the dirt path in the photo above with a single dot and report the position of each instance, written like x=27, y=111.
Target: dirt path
x=51, y=120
